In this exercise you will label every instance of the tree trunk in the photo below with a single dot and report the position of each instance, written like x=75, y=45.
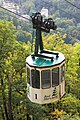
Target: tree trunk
x=3, y=117
x=28, y=118
x=4, y=99
x=9, y=98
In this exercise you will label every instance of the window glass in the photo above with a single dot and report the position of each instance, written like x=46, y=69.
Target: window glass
x=62, y=72
x=55, y=77
x=45, y=77
x=35, y=77
x=28, y=75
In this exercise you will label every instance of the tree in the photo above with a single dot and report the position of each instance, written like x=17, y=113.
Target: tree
x=71, y=53
x=70, y=104
x=24, y=36
x=6, y=36
x=57, y=114
x=40, y=110
x=12, y=67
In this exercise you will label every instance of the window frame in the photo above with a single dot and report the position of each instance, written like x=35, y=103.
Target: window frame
x=62, y=72
x=28, y=75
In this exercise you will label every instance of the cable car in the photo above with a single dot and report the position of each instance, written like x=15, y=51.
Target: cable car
x=45, y=69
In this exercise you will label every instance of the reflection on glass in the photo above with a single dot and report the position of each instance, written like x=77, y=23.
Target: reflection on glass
x=35, y=77
x=45, y=77
x=55, y=77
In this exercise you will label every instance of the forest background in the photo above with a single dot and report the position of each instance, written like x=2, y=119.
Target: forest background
x=17, y=42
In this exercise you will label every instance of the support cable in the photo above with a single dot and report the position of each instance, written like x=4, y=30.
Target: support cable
x=72, y=4
x=68, y=13
x=16, y=14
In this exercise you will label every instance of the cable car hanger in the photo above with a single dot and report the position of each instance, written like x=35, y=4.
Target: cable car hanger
x=40, y=25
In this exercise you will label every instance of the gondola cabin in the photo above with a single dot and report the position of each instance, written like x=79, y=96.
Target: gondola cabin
x=45, y=69
x=45, y=79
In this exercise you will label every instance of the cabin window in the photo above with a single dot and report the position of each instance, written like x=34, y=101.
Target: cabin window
x=55, y=77
x=62, y=72
x=46, y=80
x=28, y=75
x=35, y=96
x=35, y=77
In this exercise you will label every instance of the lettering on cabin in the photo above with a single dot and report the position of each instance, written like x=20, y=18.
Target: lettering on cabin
x=47, y=97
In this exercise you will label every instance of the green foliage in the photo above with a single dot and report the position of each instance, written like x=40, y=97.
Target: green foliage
x=70, y=117
x=70, y=104
x=23, y=36
x=65, y=16
x=14, y=53
x=12, y=68
x=33, y=108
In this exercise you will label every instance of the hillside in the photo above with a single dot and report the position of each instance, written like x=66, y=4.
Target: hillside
x=66, y=15
x=17, y=42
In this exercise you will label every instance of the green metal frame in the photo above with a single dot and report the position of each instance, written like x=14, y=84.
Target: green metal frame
x=39, y=45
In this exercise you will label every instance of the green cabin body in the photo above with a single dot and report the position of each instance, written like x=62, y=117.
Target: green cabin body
x=45, y=78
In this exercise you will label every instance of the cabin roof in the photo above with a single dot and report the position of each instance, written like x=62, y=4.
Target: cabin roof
x=44, y=62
